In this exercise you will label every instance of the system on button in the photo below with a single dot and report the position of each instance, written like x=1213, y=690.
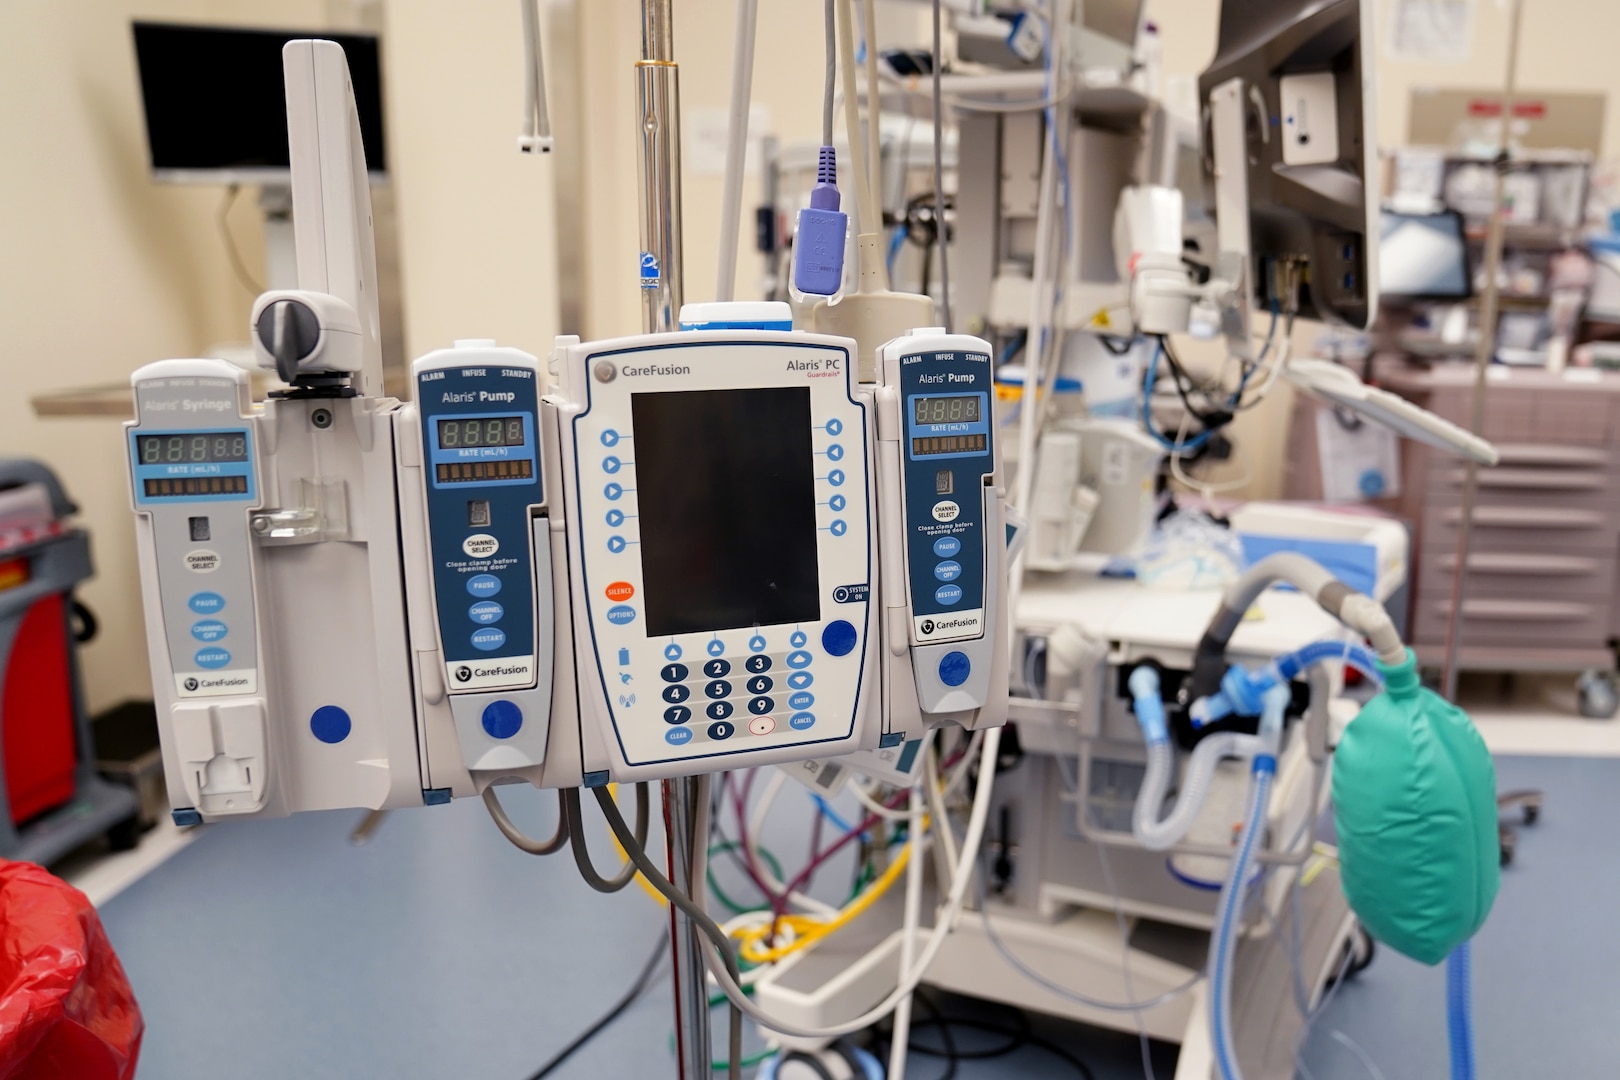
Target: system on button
x=954, y=668
x=206, y=603
x=838, y=638
x=948, y=594
x=488, y=639
x=483, y=585
x=502, y=719
x=485, y=611
x=948, y=571
x=946, y=546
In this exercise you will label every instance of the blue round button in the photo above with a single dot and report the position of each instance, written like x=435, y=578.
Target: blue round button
x=620, y=614
x=716, y=647
x=835, y=426
x=801, y=700
x=722, y=730
x=837, y=503
x=836, y=478
x=835, y=452
x=800, y=721
x=610, y=437
x=206, y=603
x=485, y=611
x=208, y=630
x=838, y=527
x=672, y=651
x=330, y=724
x=954, y=668
x=616, y=544
x=946, y=546
x=838, y=638
x=613, y=492
x=798, y=639
x=756, y=644
x=948, y=594
x=502, y=719
x=615, y=518
x=611, y=464
x=800, y=659
x=948, y=571
x=488, y=639
x=213, y=659
x=483, y=585
x=678, y=736
x=800, y=679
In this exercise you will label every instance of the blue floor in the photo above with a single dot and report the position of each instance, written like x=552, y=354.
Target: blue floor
x=277, y=949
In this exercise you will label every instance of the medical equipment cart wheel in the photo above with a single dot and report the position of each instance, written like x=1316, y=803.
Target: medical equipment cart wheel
x=1598, y=695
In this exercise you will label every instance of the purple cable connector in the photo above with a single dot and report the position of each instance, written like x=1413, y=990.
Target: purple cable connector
x=818, y=253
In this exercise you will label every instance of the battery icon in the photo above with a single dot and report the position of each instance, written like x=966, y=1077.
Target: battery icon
x=624, y=657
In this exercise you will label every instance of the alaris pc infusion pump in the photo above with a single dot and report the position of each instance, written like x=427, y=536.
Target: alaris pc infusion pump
x=652, y=556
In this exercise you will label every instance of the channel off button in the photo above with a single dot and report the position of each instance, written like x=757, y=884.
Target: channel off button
x=208, y=630
x=485, y=612
x=206, y=603
x=488, y=639
x=212, y=659
x=948, y=570
x=483, y=585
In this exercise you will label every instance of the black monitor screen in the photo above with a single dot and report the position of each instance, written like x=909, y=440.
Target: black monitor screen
x=1423, y=255
x=215, y=100
x=725, y=481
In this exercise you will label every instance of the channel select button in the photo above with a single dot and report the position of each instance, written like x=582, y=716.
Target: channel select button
x=621, y=614
x=488, y=639
x=480, y=546
x=620, y=591
x=948, y=594
x=946, y=510
x=202, y=561
x=485, y=612
x=206, y=603
x=483, y=585
x=212, y=659
x=946, y=546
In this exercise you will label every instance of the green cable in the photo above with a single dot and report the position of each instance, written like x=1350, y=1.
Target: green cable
x=714, y=886
x=748, y=1062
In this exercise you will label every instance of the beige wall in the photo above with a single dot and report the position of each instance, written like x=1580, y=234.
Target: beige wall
x=101, y=270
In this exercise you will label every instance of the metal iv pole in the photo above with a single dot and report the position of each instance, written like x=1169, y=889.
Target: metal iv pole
x=658, y=105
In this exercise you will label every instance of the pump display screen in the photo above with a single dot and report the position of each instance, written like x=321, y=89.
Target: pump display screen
x=458, y=434
x=946, y=410
x=191, y=448
x=726, y=488
x=182, y=486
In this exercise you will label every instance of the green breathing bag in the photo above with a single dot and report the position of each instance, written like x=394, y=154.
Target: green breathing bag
x=1414, y=796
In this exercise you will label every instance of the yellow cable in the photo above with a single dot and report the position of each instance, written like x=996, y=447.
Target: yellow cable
x=646, y=886
x=809, y=929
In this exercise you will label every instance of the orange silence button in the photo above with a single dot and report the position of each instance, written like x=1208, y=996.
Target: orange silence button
x=620, y=590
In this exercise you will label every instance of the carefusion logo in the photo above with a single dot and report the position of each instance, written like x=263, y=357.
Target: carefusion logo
x=966, y=624
x=216, y=683
x=507, y=672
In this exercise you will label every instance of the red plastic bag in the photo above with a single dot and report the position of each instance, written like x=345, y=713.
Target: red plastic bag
x=66, y=1008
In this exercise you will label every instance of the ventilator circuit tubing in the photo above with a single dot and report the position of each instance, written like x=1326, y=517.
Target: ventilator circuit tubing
x=1317, y=652
x=1459, y=1013
x=1151, y=832
x=1223, y=941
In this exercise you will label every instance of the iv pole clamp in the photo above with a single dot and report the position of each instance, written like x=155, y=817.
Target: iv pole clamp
x=659, y=154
